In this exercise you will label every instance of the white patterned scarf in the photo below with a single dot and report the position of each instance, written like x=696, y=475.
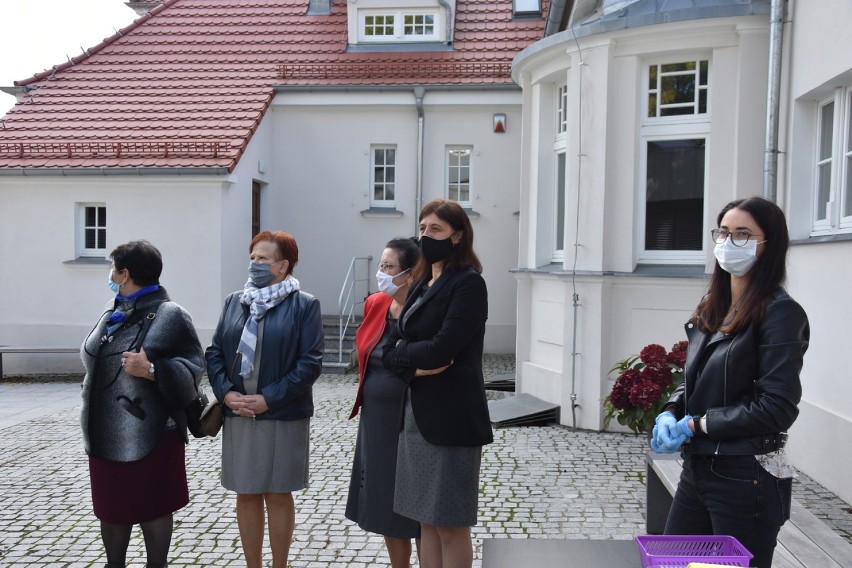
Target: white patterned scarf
x=259, y=301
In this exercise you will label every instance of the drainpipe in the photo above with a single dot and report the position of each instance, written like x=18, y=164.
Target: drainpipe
x=777, y=12
x=418, y=189
x=451, y=20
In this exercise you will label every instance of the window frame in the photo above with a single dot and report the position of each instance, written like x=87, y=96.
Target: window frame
x=670, y=128
x=838, y=163
x=383, y=203
x=559, y=194
x=562, y=109
x=448, y=177
x=399, y=25
x=83, y=227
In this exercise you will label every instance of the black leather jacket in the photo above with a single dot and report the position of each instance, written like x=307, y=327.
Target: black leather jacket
x=746, y=383
x=292, y=355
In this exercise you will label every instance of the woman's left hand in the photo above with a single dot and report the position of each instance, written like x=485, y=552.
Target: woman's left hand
x=427, y=372
x=136, y=364
x=247, y=405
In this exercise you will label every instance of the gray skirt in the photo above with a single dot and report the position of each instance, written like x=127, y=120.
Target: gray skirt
x=436, y=485
x=265, y=456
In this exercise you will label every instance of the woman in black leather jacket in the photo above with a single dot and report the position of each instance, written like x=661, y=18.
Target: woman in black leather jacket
x=265, y=357
x=741, y=388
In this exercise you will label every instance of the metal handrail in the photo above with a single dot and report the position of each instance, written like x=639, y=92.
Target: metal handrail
x=347, y=301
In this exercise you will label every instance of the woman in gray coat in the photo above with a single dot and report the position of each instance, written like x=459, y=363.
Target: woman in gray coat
x=143, y=362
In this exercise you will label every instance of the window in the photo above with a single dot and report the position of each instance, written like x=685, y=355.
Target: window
x=384, y=176
x=255, y=208
x=674, y=195
x=526, y=7
x=833, y=165
x=561, y=109
x=379, y=25
x=559, y=209
x=556, y=202
x=400, y=25
x=458, y=175
x=678, y=88
x=674, y=138
x=92, y=229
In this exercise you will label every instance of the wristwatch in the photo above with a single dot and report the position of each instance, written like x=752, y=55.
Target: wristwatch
x=696, y=422
x=151, y=371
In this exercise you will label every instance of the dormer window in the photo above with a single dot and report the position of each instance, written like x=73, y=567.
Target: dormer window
x=398, y=25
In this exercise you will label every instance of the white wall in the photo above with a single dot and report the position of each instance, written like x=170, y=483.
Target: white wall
x=45, y=300
x=817, y=61
x=618, y=311
x=321, y=183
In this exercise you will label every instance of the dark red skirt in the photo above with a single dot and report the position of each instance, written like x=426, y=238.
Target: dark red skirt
x=138, y=492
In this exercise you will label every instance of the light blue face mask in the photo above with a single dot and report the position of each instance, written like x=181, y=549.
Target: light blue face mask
x=113, y=286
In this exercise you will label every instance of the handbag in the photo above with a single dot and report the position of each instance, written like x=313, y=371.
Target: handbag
x=212, y=418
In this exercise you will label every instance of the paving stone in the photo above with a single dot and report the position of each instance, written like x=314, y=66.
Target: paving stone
x=536, y=482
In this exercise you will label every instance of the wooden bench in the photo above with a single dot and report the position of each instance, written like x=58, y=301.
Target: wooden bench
x=804, y=540
x=4, y=349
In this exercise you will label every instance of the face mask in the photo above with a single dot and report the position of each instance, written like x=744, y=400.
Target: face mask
x=434, y=250
x=735, y=260
x=261, y=274
x=113, y=286
x=386, y=284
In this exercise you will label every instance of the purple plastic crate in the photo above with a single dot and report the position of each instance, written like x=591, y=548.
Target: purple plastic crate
x=677, y=551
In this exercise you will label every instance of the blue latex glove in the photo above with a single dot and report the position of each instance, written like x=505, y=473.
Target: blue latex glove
x=683, y=426
x=666, y=437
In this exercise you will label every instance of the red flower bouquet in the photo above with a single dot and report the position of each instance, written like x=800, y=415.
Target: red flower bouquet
x=645, y=382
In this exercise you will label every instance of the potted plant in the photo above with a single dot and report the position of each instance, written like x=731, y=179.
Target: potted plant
x=644, y=383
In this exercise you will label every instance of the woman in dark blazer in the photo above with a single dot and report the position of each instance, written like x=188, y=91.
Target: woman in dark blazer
x=437, y=350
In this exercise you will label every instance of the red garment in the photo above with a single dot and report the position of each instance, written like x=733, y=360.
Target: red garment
x=368, y=335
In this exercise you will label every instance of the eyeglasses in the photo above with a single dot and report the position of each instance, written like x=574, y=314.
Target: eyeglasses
x=738, y=238
x=386, y=266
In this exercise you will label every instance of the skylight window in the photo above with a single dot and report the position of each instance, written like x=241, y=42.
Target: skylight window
x=526, y=7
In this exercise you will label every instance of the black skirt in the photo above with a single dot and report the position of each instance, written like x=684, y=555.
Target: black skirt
x=141, y=491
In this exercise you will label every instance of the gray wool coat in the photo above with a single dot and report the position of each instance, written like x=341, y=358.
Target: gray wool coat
x=123, y=416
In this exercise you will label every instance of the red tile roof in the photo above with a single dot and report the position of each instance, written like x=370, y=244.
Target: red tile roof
x=187, y=84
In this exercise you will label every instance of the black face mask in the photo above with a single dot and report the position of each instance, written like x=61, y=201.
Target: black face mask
x=434, y=250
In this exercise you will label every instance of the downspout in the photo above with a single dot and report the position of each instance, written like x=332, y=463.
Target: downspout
x=777, y=12
x=554, y=17
x=418, y=183
x=451, y=20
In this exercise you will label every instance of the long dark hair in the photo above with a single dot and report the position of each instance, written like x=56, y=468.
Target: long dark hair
x=764, y=278
x=463, y=258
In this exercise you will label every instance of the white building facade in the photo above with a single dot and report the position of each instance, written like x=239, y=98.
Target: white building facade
x=638, y=128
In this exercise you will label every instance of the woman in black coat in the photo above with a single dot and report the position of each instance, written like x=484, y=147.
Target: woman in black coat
x=143, y=363
x=741, y=388
x=437, y=349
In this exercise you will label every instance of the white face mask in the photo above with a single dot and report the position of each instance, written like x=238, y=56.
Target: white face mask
x=385, y=282
x=735, y=260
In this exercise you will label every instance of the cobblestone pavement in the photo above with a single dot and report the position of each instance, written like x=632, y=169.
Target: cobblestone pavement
x=536, y=482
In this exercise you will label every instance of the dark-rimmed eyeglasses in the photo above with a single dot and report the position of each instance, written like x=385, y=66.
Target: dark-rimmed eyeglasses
x=739, y=238
x=386, y=266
